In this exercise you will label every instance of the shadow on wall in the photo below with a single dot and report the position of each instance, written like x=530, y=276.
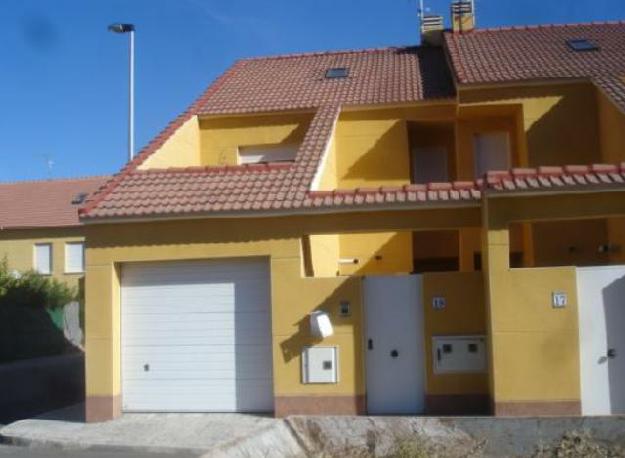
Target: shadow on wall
x=387, y=159
x=614, y=309
x=568, y=132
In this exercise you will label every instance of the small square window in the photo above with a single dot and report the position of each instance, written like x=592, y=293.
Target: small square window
x=447, y=348
x=582, y=44
x=472, y=348
x=337, y=72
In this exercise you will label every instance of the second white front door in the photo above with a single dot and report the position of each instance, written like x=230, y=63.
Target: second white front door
x=394, y=340
x=601, y=297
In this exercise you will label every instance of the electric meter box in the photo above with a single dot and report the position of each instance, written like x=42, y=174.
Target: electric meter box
x=320, y=365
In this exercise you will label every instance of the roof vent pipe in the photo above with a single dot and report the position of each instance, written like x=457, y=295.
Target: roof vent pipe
x=462, y=16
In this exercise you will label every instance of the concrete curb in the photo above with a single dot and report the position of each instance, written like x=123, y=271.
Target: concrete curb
x=73, y=446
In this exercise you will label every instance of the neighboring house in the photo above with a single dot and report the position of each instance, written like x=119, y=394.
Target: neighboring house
x=40, y=230
x=379, y=231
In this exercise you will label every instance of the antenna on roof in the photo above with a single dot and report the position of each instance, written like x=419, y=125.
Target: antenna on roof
x=430, y=25
x=49, y=165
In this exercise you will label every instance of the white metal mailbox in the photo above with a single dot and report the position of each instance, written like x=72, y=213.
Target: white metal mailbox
x=320, y=365
x=457, y=354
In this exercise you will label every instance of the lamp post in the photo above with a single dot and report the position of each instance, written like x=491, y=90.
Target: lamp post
x=130, y=30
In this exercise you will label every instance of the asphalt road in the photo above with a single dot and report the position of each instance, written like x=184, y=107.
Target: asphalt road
x=24, y=452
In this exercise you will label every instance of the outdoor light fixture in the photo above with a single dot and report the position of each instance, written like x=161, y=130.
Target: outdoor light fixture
x=130, y=30
x=122, y=28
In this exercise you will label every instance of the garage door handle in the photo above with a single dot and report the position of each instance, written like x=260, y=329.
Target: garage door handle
x=438, y=354
x=370, y=344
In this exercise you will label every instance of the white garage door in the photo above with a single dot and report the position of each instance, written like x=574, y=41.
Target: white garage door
x=196, y=336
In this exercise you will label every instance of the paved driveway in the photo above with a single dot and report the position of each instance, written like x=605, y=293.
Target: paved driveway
x=147, y=433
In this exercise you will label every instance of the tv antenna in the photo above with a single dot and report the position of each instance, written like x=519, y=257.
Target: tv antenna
x=49, y=165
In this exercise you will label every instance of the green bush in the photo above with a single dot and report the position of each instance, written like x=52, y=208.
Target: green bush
x=26, y=328
x=31, y=289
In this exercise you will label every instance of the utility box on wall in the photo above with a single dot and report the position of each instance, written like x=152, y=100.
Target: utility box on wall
x=458, y=354
x=320, y=365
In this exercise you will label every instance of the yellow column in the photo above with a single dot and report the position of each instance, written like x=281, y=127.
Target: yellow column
x=102, y=357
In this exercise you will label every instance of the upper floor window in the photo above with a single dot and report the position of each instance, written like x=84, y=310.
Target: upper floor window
x=429, y=165
x=43, y=258
x=491, y=152
x=74, y=257
x=266, y=153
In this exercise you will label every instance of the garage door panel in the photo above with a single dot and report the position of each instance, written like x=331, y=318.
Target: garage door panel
x=201, y=321
x=224, y=337
x=196, y=336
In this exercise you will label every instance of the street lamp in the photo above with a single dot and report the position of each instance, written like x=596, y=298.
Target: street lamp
x=130, y=30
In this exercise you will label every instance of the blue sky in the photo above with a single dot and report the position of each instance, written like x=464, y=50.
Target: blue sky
x=63, y=77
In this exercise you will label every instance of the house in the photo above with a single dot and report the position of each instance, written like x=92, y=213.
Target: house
x=40, y=229
x=433, y=229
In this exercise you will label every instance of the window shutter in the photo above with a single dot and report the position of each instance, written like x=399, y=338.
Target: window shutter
x=74, y=257
x=43, y=258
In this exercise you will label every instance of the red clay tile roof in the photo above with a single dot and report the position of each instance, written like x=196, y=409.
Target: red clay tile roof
x=390, y=75
x=566, y=178
x=212, y=189
x=536, y=52
x=31, y=204
x=184, y=192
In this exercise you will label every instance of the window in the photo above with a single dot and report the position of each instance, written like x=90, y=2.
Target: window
x=74, y=257
x=338, y=72
x=429, y=165
x=43, y=258
x=491, y=152
x=582, y=44
x=266, y=153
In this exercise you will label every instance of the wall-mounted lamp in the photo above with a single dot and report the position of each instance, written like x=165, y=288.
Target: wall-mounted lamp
x=320, y=324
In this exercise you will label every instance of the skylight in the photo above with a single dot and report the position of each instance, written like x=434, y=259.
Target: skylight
x=337, y=72
x=582, y=44
x=79, y=198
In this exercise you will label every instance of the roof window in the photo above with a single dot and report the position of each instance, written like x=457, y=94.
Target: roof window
x=79, y=198
x=337, y=72
x=582, y=44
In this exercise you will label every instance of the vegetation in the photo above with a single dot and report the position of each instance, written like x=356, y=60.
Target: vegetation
x=26, y=329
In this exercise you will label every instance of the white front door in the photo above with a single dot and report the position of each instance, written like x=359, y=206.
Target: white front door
x=601, y=298
x=394, y=341
x=196, y=336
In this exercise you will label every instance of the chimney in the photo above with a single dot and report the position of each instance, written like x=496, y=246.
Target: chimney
x=432, y=30
x=462, y=16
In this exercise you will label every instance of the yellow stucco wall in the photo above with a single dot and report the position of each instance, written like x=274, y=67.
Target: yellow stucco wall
x=18, y=247
x=294, y=296
x=464, y=314
x=182, y=149
x=547, y=112
x=612, y=138
x=220, y=137
x=611, y=130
